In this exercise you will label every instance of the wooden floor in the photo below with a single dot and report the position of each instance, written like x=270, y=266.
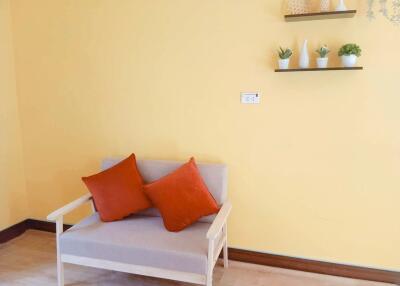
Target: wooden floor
x=30, y=260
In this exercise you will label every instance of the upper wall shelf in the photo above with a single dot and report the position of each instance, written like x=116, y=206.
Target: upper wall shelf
x=320, y=16
x=319, y=69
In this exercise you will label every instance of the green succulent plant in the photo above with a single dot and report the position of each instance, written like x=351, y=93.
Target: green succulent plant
x=350, y=49
x=323, y=51
x=285, y=53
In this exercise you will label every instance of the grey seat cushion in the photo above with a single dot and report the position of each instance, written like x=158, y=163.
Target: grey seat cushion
x=214, y=176
x=139, y=240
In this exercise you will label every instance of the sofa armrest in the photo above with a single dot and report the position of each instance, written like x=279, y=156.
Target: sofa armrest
x=219, y=220
x=69, y=207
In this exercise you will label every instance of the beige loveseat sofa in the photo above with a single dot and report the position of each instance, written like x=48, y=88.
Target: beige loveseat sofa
x=140, y=244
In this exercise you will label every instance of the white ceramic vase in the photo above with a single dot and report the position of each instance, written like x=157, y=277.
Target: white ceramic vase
x=322, y=63
x=349, y=61
x=304, y=60
x=284, y=64
x=325, y=5
x=341, y=6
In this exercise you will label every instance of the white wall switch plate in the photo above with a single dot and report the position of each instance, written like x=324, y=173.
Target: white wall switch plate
x=250, y=97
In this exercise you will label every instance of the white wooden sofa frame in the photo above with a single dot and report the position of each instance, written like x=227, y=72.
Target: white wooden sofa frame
x=218, y=227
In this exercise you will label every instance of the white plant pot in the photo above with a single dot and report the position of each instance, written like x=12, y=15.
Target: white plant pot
x=349, y=61
x=284, y=64
x=322, y=63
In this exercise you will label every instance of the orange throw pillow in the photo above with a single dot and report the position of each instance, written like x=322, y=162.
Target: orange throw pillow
x=181, y=197
x=118, y=191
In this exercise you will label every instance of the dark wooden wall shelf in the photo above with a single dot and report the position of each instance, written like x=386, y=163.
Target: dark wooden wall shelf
x=318, y=69
x=321, y=16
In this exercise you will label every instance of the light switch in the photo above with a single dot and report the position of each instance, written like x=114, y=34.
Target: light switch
x=250, y=97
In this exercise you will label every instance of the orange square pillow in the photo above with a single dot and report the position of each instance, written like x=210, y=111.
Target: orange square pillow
x=181, y=197
x=118, y=191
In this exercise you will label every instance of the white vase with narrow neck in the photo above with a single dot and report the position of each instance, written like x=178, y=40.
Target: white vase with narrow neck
x=304, y=60
x=341, y=6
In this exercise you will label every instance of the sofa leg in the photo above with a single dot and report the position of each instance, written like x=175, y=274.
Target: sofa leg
x=210, y=263
x=226, y=263
x=209, y=279
x=60, y=265
x=225, y=249
x=60, y=273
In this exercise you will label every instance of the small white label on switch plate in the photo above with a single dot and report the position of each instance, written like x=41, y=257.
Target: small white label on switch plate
x=250, y=97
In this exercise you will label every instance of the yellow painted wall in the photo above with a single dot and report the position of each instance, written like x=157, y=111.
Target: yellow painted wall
x=314, y=169
x=13, y=202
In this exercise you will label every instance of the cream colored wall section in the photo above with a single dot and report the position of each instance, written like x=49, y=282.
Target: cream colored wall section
x=13, y=202
x=314, y=169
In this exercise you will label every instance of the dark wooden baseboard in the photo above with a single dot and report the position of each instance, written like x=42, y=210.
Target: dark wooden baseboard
x=44, y=225
x=19, y=228
x=254, y=257
x=13, y=231
x=314, y=266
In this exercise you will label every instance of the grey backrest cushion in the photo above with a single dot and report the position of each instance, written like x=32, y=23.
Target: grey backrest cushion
x=215, y=176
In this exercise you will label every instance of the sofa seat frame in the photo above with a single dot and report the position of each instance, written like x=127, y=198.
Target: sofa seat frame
x=216, y=235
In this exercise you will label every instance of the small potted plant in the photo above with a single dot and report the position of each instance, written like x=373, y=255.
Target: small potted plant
x=284, y=58
x=322, y=61
x=349, y=54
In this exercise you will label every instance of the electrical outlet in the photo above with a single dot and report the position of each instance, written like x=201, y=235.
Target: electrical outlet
x=250, y=97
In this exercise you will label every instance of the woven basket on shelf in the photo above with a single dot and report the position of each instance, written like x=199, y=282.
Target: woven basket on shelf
x=299, y=6
x=325, y=5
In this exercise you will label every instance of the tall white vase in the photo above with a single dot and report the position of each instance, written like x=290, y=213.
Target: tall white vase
x=341, y=6
x=304, y=60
